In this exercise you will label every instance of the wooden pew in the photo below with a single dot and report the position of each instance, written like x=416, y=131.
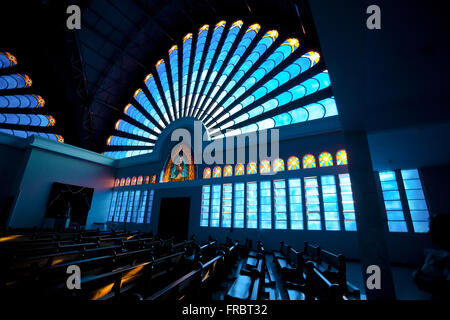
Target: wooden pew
x=106, y=285
x=311, y=252
x=247, y=285
x=291, y=267
x=184, y=246
x=193, y=283
x=205, y=252
x=230, y=252
x=253, y=257
x=116, y=279
x=60, y=257
x=334, y=269
x=319, y=287
x=280, y=253
x=187, y=285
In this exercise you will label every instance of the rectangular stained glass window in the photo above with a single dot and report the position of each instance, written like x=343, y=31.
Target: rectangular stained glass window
x=142, y=206
x=280, y=204
x=123, y=206
x=118, y=207
x=312, y=203
x=130, y=207
x=265, y=205
x=215, y=205
x=137, y=198
x=112, y=207
x=348, y=207
x=206, y=200
x=239, y=209
x=227, y=202
x=295, y=204
x=252, y=205
x=330, y=203
x=149, y=206
x=392, y=202
x=416, y=200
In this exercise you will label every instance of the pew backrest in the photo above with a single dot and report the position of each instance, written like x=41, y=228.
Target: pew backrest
x=319, y=287
x=311, y=252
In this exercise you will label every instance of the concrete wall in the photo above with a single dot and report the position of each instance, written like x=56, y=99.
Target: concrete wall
x=49, y=162
x=13, y=159
x=39, y=162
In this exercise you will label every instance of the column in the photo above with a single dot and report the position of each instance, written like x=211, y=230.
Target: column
x=370, y=221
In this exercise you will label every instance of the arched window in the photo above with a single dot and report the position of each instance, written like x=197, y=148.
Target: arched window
x=252, y=168
x=127, y=181
x=228, y=171
x=207, y=173
x=223, y=96
x=341, y=157
x=133, y=181
x=116, y=183
x=278, y=165
x=293, y=163
x=139, y=180
x=239, y=169
x=217, y=172
x=153, y=179
x=122, y=182
x=309, y=161
x=325, y=159
x=264, y=167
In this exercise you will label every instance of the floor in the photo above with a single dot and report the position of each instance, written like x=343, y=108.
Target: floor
x=404, y=285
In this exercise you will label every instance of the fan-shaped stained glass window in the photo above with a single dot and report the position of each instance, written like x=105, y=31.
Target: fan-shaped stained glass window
x=278, y=165
x=27, y=122
x=309, y=161
x=122, y=182
x=127, y=181
x=153, y=179
x=207, y=173
x=264, y=167
x=146, y=179
x=217, y=172
x=133, y=181
x=7, y=60
x=252, y=168
x=116, y=183
x=293, y=163
x=239, y=169
x=236, y=76
x=139, y=180
x=341, y=157
x=228, y=171
x=325, y=159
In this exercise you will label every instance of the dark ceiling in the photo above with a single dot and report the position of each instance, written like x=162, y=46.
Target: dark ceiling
x=382, y=79
x=391, y=78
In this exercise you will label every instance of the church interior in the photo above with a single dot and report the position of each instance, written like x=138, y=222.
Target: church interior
x=224, y=150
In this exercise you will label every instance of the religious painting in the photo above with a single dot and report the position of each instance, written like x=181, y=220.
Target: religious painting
x=181, y=167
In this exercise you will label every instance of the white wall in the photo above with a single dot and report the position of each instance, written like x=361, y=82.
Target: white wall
x=50, y=162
